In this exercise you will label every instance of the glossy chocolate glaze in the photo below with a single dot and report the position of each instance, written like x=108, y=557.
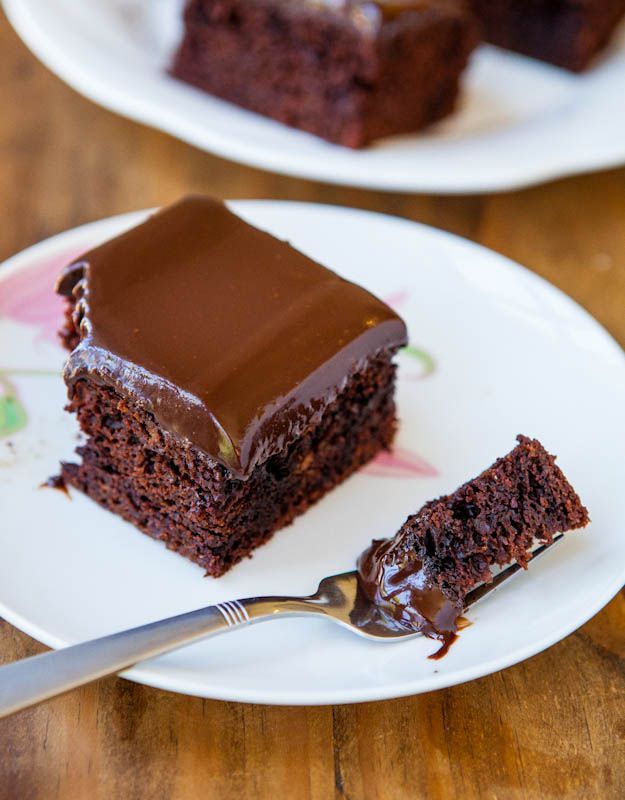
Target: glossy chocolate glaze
x=234, y=340
x=397, y=585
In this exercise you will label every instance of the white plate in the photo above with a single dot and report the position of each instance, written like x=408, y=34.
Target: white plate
x=511, y=354
x=521, y=121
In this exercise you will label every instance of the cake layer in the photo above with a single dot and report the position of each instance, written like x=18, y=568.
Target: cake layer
x=568, y=33
x=233, y=340
x=346, y=70
x=176, y=493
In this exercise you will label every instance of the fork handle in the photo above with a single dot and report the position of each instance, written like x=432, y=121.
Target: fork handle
x=31, y=680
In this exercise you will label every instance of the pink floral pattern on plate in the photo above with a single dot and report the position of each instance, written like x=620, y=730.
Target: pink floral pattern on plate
x=400, y=463
x=28, y=296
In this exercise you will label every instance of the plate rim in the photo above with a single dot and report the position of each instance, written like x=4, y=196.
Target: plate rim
x=160, y=676
x=22, y=16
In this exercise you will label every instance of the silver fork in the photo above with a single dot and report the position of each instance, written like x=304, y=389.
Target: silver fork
x=338, y=598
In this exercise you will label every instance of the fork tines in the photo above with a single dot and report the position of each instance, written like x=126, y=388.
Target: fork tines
x=485, y=588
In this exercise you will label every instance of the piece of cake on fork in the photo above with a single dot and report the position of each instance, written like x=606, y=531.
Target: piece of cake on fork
x=422, y=577
x=223, y=380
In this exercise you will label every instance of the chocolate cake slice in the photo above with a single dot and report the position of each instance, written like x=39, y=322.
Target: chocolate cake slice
x=350, y=71
x=223, y=381
x=421, y=577
x=567, y=33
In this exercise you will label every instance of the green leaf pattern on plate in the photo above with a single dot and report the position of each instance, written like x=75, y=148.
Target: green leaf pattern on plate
x=13, y=415
x=428, y=365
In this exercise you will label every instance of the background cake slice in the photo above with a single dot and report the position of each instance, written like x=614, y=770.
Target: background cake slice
x=422, y=576
x=568, y=33
x=349, y=71
x=223, y=380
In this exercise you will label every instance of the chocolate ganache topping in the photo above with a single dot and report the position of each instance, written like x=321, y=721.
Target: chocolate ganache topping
x=234, y=340
x=395, y=582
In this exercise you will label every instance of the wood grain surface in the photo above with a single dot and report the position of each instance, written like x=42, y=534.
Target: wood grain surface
x=552, y=727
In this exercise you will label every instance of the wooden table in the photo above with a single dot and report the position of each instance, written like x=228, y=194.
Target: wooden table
x=551, y=727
